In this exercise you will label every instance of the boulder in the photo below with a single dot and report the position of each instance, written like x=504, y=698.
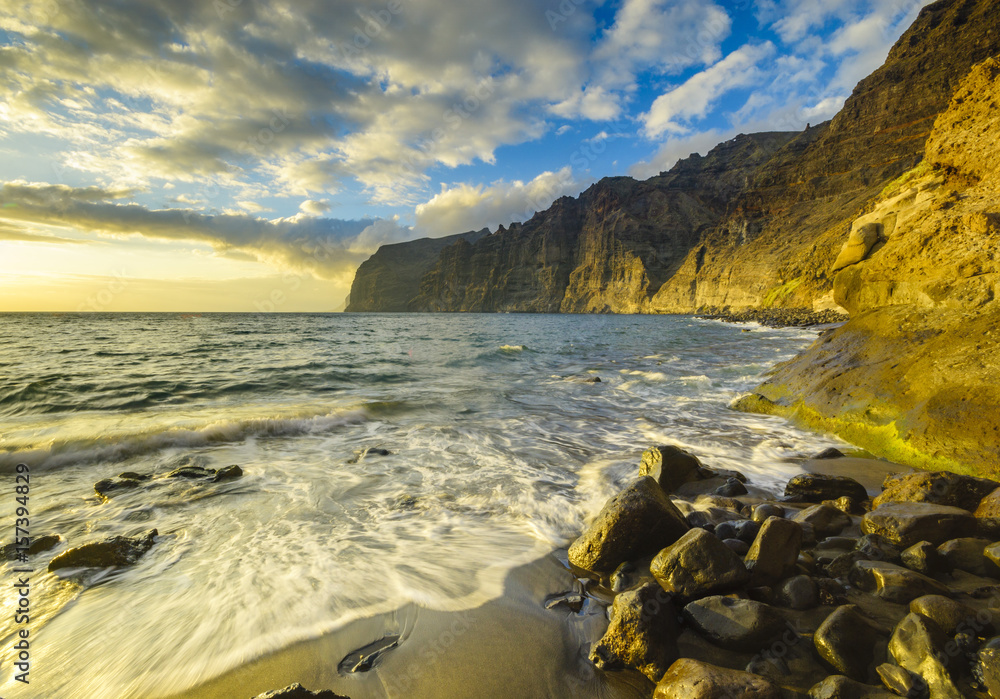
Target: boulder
x=918, y=645
x=768, y=509
x=123, y=481
x=829, y=453
x=639, y=521
x=968, y=554
x=739, y=547
x=39, y=544
x=988, y=515
x=624, y=577
x=904, y=524
x=228, y=473
x=731, y=488
x=878, y=548
x=847, y=642
x=840, y=687
x=692, y=679
x=297, y=691
x=924, y=557
x=849, y=505
x=735, y=624
x=986, y=667
x=901, y=682
x=826, y=520
x=859, y=244
x=642, y=633
x=192, y=472
x=894, y=583
x=115, y=551
x=951, y=617
x=698, y=564
x=936, y=487
x=992, y=553
x=774, y=552
x=815, y=487
x=799, y=592
x=669, y=466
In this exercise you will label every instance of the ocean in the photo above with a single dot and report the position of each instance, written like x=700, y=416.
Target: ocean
x=388, y=459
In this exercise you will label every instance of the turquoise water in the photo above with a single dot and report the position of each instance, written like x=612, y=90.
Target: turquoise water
x=499, y=451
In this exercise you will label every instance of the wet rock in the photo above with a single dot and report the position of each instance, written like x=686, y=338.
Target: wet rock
x=986, y=667
x=692, y=679
x=115, y=551
x=297, y=691
x=847, y=642
x=815, y=487
x=829, y=453
x=573, y=601
x=711, y=516
x=738, y=546
x=229, y=473
x=902, y=682
x=878, y=548
x=849, y=505
x=698, y=564
x=923, y=557
x=840, y=687
x=123, y=481
x=624, y=577
x=905, y=524
x=968, y=554
x=38, y=544
x=936, y=487
x=918, y=645
x=747, y=530
x=988, y=515
x=768, y=509
x=841, y=566
x=192, y=472
x=732, y=488
x=826, y=520
x=799, y=592
x=726, y=473
x=364, y=659
x=894, y=583
x=670, y=466
x=735, y=624
x=774, y=552
x=949, y=615
x=637, y=522
x=992, y=553
x=642, y=633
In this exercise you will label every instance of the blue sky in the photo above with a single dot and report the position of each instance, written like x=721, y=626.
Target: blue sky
x=241, y=155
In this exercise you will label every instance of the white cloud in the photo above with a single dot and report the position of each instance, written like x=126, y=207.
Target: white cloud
x=676, y=148
x=672, y=112
x=315, y=207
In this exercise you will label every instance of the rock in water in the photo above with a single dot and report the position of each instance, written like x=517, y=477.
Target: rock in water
x=692, y=679
x=123, y=481
x=297, y=691
x=638, y=521
x=116, y=551
x=894, y=583
x=671, y=466
x=936, y=487
x=735, y=624
x=698, y=564
x=642, y=633
x=228, y=473
x=37, y=545
x=846, y=641
x=918, y=645
x=905, y=524
x=774, y=552
x=815, y=487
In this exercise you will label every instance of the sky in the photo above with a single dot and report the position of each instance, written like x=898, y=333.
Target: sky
x=248, y=155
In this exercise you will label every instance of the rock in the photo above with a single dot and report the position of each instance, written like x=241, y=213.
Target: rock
x=624, y=577
x=726, y=473
x=799, y=592
x=992, y=553
x=115, y=551
x=734, y=624
x=228, y=473
x=902, y=682
x=878, y=548
x=732, y=488
x=123, y=481
x=950, y=616
x=692, y=679
x=847, y=641
x=670, y=466
x=904, y=524
x=711, y=516
x=859, y=244
x=747, y=530
x=38, y=544
x=642, y=633
x=967, y=554
x=826, y=520
x=637, y=522
x=366, y=657
x=986, y=668
x=739, y=547
x=849, y=505
x=924, y=557
x=815, y=487
x=768, y=509
x=936, y=487
x=191, y=472
x=774, y=552
x=918, y=645
x=840, y=687
x=988, y=515
x=841, y=566
x=698, y=564
x=297, y=691
x=894, y=583
x=829, y=453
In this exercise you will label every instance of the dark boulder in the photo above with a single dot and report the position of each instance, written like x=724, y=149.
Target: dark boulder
x=698, y=564
x=670, y=466
x=904, y=524
x=919, y=645
x=826, y=520
x=123, y=481
x=642, y=633
x=229, y=473
x=692, y=679
x=735, y=624
x=847, y=642
x=815, y=487
x=923, y=557
x=297, y=691
x=115, y=551
x=936, y=487
x=894, y=583
x=774, y=552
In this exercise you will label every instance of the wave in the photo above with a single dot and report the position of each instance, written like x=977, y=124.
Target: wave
x=513, y=348
x=119, y=447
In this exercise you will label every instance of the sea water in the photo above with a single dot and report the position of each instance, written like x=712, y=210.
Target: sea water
x=499, y=449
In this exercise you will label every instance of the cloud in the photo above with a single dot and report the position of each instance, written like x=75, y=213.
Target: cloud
x=314, y=207
x=466, y=207
x=20, y=235
x=676, y=148
x=672, y=112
